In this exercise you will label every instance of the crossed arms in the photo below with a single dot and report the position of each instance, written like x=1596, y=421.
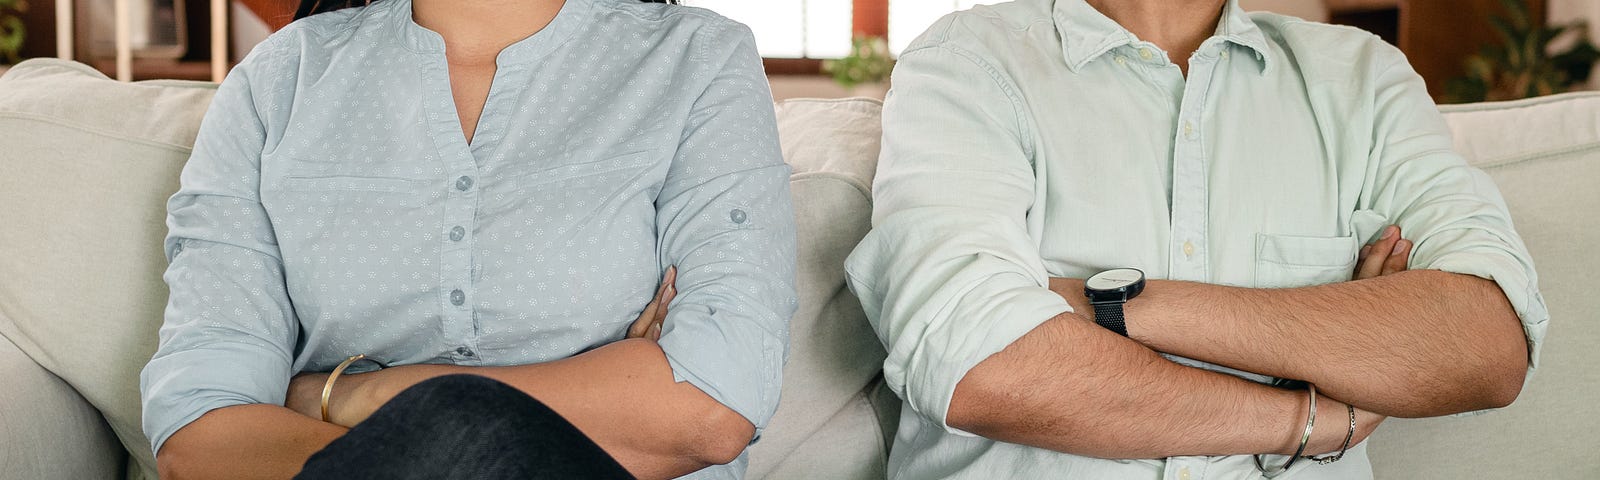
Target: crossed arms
x=213, y=390
x=978, y=341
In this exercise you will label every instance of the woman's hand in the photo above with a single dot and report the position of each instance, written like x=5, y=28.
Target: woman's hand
x=352, y=400
x=655, y=314
x=305, y=394
x=1386, y=256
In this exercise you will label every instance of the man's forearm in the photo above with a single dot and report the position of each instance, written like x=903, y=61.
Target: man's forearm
x=266, y=442
x=621, y=395
x=1073, y=387
x=1412, y=344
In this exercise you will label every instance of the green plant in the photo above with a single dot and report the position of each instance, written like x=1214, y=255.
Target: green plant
x=869, y=62
x=1522, y=64
x=12, y=31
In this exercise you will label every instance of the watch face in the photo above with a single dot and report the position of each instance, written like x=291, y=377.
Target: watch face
x=1114, y=279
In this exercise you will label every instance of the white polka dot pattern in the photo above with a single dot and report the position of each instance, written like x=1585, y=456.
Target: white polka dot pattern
x=333, y=207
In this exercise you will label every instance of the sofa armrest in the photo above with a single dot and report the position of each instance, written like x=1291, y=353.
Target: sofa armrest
x=48, y=430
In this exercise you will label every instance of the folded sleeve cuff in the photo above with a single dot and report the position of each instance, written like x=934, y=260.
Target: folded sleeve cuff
x=989, y=316
x=739, y=366
x=1515, y=278
x=180, y=387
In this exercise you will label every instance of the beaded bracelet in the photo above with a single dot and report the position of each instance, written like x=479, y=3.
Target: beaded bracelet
x=1327, y=459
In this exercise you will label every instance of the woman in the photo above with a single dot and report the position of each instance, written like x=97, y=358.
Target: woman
x=484, y=188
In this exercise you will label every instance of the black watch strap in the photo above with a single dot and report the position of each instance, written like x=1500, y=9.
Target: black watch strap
x=1109, y=315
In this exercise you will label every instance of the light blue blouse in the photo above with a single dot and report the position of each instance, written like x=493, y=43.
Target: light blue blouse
x=333, y=207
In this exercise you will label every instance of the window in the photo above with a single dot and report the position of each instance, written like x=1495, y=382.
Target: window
x=822, y=30
x=909, y=18
x=824, y=27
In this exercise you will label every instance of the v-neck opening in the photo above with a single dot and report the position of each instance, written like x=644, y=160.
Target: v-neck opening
x=511, y=60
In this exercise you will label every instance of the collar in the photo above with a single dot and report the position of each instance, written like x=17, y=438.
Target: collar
x=1087, y=34
x=573, y=16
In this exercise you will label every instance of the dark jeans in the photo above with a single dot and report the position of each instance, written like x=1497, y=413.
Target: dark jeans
x=463, y=426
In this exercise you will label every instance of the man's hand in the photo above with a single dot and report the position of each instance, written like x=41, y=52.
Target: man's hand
x=1333, y=423
x=655, y=314
x=1386, y=256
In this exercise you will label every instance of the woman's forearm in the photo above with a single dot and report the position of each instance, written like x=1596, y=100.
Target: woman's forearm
x=244, y=442
x=621, y=395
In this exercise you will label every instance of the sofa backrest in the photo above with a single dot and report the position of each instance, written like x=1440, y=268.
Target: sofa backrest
x=1544, y=154
x=834, y=359
x=87, y=166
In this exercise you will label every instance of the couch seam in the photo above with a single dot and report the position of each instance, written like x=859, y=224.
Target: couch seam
x=847, y=179
x=1535, y=156
x=94, y=130
x=1517, y=104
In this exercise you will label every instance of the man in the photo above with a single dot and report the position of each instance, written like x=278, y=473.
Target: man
x=1241, y=162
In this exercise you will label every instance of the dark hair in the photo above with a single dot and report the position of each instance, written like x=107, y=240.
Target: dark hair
x=313, y=7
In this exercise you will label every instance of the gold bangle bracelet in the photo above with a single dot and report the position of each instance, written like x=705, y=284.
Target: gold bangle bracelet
x=327, y=388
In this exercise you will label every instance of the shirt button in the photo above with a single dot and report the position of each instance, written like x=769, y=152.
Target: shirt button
x=458, y=233
x=1188, y=130
x=458, y=297
x=737, y=216
x=465, y=352
x=1188, y=249
x=1224, y=54
x=463, y=183
x=1146, y=54
x=1121, y=60
x=1183, y=473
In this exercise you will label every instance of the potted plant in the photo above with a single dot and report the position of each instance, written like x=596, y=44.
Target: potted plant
x=865, y=72
x=1522, y=65
x=12, y=31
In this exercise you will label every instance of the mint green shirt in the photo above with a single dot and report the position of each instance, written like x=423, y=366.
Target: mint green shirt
x=1039, y=138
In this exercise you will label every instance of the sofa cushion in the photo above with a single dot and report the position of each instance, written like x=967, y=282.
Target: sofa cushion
x=88, y=166
x=48, y=430
x=1544, y=154
x=832, y=147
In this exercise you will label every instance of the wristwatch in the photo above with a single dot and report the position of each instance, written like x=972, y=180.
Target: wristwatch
x=1108, y=290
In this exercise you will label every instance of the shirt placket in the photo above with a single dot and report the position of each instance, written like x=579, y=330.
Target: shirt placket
x=1189, y=247
x=457, y=294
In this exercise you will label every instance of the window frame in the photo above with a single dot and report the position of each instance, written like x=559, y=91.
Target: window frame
x=868, y=18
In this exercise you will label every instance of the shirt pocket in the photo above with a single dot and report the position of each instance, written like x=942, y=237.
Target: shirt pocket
x=608, y=168
x=1289, y=261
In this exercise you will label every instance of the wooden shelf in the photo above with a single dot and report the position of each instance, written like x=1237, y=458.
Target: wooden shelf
x=195, y=65
x=1437, y=36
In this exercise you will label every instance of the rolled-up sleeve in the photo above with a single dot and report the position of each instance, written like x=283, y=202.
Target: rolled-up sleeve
x=1452, y=211
x=950, y=275
x=724, y=218
x=229, y=328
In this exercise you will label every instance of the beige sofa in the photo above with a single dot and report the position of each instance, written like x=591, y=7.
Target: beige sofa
x=86, y=165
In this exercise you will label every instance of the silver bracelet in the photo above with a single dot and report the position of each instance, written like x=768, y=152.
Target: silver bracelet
x=1311, y=422
x=1327, y=459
